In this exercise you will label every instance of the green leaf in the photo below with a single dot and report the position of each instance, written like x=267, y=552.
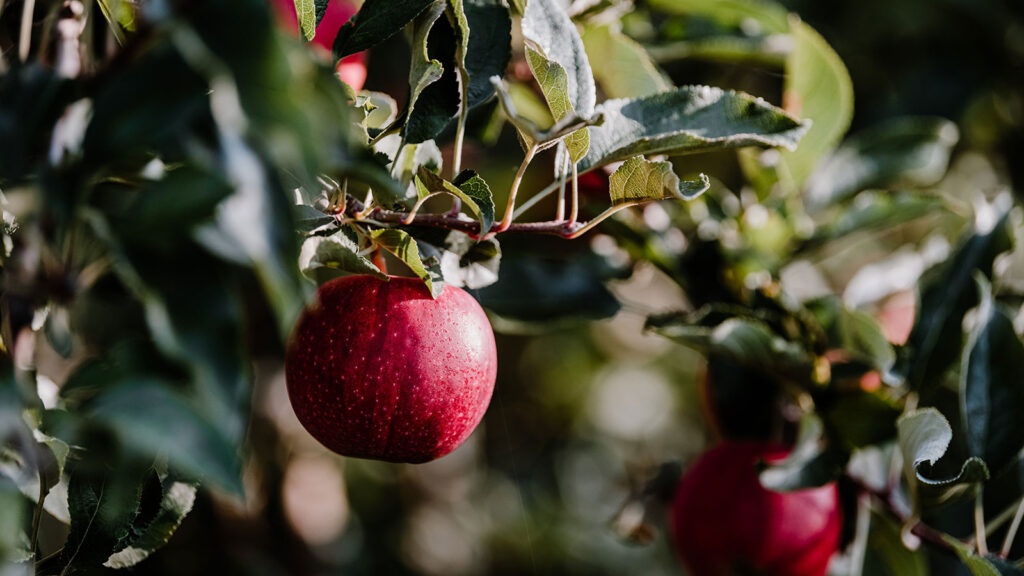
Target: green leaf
x=309, y=219
x=747, y=341
x=860, y=335
x=554, y=85
x=640, y=180
x=489, y=49
x=626, y=69
x=991, y=396
x=468, y=186
x=149, y=416
x=376, y=21
x=871, y=211
x=886, y=555
x=947, y=293
x=176, y=502
x=770, y=15
x=306, y=11
x=425, y=69
x=548, y=27
x=334, y=253
x=409, y=251
x=901, y=153
x=14, y=544
x=104, y=494
x=859, y=419
x=536, y=290
x=977, y=565
x=924, y=436
x=439, y=101
x=810, y=464
x=686, y=120
x=320, y=9
x=817, y=88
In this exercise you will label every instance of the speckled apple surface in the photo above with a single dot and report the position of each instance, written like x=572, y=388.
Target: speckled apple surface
x=724, y=522
x=378, y=369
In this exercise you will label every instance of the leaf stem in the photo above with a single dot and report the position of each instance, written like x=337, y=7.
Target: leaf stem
x=506, y=221
x=25, y=39
x=574, y=213
x=979, y=521
x=37, y=515
x=1011, y=533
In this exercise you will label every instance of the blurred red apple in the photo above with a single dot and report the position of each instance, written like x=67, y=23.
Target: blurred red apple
x=350, y=69
x=725, y=523
x=379, y=369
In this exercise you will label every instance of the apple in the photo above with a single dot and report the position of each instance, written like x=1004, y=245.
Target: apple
x=724, y=522
x=378, y=369
x=350, y=69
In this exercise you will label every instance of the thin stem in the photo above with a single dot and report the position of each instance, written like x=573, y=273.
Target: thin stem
x=540, y=196
x=506, y=221
x=416, y=208
x=25, y=40
x=460, y=135
x=574, y=213
x=563, y=169
x=1012, y=532
x=979, y=522
x=37, y=515
x=587, y=227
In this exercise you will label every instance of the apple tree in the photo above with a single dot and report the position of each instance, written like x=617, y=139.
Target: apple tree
x=179, y=177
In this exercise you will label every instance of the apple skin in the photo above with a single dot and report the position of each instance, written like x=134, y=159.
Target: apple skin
x=379, y=369
x=350, y=69
x=724, y=522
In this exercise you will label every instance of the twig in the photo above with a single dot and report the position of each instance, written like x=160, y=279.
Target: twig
x=1012, y=532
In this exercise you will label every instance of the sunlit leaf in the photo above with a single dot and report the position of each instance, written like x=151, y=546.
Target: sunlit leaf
x=306, y=11
x=686, y=120
x=335, y=253
x=554, y=85
x=468, y=187
x=640, y=180
x=425, y=266
x=549, y=28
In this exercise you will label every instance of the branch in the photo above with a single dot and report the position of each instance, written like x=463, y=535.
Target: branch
x=354, y=210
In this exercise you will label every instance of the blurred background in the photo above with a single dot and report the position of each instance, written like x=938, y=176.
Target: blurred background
x=588, y=408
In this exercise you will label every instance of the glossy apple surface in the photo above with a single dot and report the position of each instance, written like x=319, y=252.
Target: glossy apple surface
x=379, y=369
x=725, y=523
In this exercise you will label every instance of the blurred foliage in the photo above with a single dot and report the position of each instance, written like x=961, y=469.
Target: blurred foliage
x=174, y=173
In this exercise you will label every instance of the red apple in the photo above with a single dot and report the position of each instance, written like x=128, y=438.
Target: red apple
x=724, y=522
x=379, y=369
x=350, y=69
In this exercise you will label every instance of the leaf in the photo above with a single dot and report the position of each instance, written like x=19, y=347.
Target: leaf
x=626, y=69
x=947, y=293
x=376, y=21
x=425, y=69
x=977, y=565
x=104, y=494
x=437, y=103
x=924, y=436
x=859, y=419
x=306, y=12
x=860, y=335
x=817, y=84
x=809, y=464
x=543, y=290
x=176, y=502
x=547, y=26
x=901, y=153
x=334, y=252
x=411, y=252
x=320, y=10
x=309, y=219
x=149, y=416
x=991, y=394
x=747, y=341
x=553, y=84
x=640, y=180
x=686, y=120
x=817, y=88
x=886, y=555
x=469, y=187
x=489, y=49
x=469, y=262
x=14, y=544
